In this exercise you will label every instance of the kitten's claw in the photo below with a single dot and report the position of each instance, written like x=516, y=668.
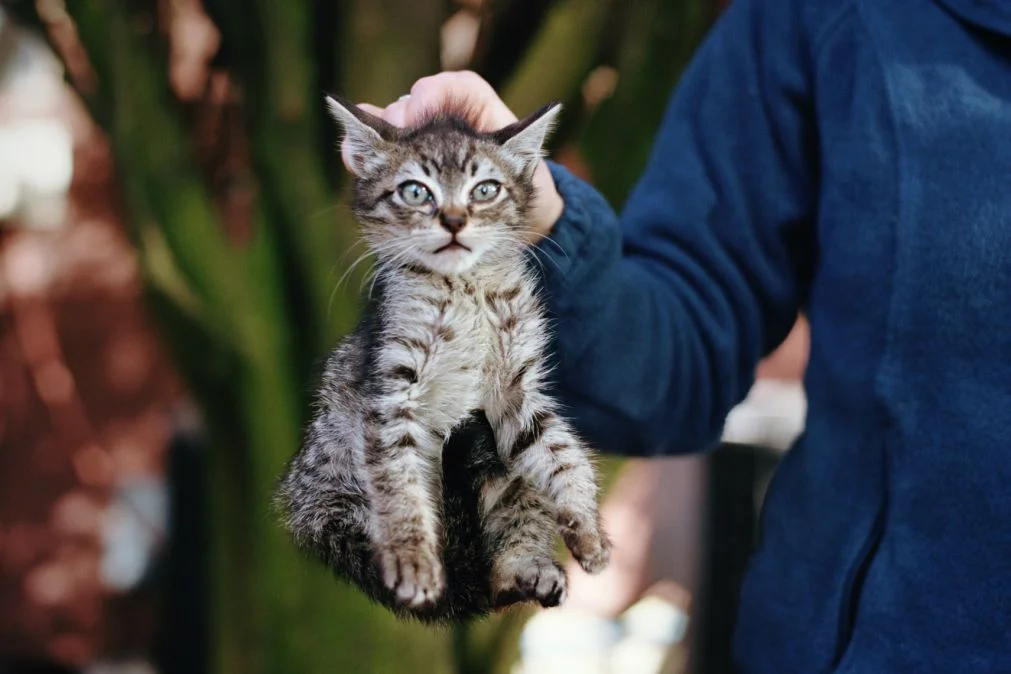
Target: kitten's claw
x=524, y=579
x=415, y=576
x=587, y=542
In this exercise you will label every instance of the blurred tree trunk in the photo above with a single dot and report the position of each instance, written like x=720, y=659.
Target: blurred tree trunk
x=508, y=28
x=247, y=313
x=657, y=39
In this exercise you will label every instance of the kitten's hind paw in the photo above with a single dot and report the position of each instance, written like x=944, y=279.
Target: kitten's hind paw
x=526, y=579
x=415, y=576
x=587, y=542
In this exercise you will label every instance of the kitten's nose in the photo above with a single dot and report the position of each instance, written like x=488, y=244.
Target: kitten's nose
x=452, y=222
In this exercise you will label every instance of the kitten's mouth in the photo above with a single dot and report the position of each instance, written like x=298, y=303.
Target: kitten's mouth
x=453, y=245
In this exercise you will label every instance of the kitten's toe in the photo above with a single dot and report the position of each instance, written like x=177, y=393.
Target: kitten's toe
x=414, y=576
x=586, y=540
x=551, y=585
x=529, y=579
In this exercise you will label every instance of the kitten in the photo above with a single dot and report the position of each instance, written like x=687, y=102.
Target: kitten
x=436, y=470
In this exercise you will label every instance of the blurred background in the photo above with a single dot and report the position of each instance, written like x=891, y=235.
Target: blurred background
x=172, y=232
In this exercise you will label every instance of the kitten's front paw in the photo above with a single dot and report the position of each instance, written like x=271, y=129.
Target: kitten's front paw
x=586, y=540
x=524, y=578
x=414, y=575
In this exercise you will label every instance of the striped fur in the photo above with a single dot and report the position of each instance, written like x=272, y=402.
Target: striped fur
x=436, y=471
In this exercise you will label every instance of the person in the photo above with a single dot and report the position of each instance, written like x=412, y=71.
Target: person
x=849, y=160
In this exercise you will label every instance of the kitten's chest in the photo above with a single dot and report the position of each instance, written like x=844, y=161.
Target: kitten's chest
x=474, y=329
x=471, y=326
x=447, y=321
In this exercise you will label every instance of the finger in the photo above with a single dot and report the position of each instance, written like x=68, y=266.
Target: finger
x=435, y=91
x=396, y=112
x=371, y=109
x=346, y=157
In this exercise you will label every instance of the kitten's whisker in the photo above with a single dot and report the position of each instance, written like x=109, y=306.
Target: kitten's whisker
x=370, y=276
x=344, y=256
x=329, y=302
x=537, y=261
x=375, y=277
x=345, y=277
x=356, y=244
x=556, y=245
x=327, y=209
x=366, y=277
x=536, y=255
x=361, y=258
x=389, y=267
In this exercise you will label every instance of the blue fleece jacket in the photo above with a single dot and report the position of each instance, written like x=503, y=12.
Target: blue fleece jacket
x=851, y=159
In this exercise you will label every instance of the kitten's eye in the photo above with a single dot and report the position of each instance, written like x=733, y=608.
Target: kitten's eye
x=414, y=193
x=485, y=191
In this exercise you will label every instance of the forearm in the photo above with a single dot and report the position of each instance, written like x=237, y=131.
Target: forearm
x=645, y=361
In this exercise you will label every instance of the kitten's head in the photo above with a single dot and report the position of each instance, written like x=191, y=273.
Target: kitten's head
x=442, y=195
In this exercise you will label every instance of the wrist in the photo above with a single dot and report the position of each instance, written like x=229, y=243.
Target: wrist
x=549, y=206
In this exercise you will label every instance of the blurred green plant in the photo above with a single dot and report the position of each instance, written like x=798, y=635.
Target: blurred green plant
x=241, y=248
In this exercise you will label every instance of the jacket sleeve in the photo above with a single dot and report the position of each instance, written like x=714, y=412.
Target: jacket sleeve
x=660, y=316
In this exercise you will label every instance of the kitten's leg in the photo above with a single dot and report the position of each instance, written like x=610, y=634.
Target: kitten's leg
x=404, y=469
x=541, y=447
x=521, y=532
x=420, y=397
x=534, y=441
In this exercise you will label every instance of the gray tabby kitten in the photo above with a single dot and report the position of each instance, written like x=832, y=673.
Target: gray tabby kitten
x=436, y=470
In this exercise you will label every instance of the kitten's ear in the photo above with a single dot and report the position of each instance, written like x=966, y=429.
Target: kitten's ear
x=525, y=138
x=367, y=136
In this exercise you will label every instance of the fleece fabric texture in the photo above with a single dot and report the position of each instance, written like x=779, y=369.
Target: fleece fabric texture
x=851, y=159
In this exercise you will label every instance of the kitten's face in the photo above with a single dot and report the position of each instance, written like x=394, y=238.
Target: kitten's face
x=442, y=196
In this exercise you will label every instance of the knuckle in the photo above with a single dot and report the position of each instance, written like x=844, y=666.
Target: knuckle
x=428, y=82
x=470, y=76
x=475, y=82
x=421, y=85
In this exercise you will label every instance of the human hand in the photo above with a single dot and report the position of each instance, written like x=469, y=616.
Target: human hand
x=492, y=114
